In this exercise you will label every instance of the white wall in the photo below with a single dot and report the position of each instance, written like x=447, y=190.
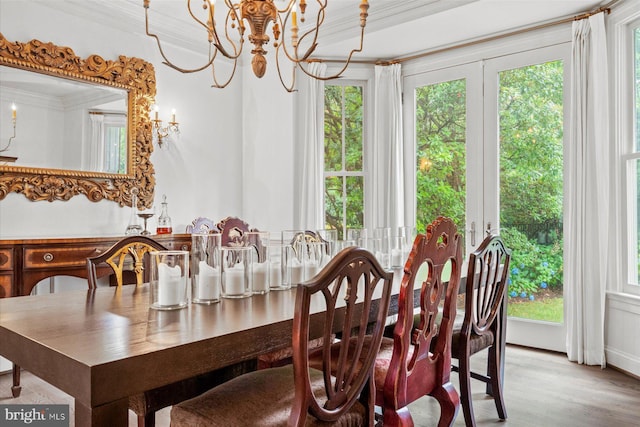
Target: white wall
x=201, y=175
x=268, y=151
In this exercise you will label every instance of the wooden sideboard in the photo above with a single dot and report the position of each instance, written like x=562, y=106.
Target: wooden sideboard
x=25, y=262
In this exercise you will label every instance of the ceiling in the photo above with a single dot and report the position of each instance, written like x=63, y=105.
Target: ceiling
x=395, y=28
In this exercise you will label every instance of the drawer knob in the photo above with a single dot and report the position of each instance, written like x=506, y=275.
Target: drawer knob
x=48, y=257
x=185, y=247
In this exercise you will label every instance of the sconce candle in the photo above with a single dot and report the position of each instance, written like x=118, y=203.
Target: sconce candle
x=160, y=133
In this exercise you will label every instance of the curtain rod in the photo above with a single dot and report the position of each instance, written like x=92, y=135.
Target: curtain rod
x=606, y=8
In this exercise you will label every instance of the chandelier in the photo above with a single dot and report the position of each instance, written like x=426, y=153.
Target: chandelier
x=291, y=41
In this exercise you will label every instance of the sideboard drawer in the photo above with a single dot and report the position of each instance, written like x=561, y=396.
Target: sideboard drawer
x=6, y=259
x=60, y=257
x=5, y=285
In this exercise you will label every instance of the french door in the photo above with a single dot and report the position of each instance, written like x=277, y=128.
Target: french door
x=486, y=143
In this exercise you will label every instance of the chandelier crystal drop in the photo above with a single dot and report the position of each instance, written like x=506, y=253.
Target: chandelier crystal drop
x=295, y=30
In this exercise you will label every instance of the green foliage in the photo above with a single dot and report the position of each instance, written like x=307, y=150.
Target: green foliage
x=534, y=267
x=531, y=145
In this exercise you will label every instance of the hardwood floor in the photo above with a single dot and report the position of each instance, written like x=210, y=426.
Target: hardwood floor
x=541, y=389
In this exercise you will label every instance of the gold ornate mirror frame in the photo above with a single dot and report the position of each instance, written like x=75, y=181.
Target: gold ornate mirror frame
x=134, y=75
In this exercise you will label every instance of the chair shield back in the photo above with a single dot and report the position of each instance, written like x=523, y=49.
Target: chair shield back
x=487, y=278
x=133, y=246
x=355, y=290
x=435, y=262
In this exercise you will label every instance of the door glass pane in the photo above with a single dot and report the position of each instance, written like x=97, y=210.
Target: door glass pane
x=440, y=142
x=531, y=187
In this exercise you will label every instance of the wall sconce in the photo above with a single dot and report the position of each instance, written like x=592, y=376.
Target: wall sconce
x=160, y=134
x=14, y=116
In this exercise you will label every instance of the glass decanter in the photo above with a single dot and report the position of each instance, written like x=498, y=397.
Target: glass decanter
x=164, y=221
x=134, y=228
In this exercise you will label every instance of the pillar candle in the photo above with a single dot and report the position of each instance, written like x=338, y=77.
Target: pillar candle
x=396, y=258
x=275, y=274
x=260, y=277
x=296, y=272
x=234, y=281
x=311, y=268
x=170, y=285
x=208, y=282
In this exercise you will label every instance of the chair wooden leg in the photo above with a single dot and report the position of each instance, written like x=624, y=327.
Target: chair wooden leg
x=449, y=401
x=496, y=381
x=147, y=420
x=464, y=373
x=395, y=418
x=16, y=388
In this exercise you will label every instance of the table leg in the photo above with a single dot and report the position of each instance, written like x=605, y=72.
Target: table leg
x=16, y=388
x=108, y=415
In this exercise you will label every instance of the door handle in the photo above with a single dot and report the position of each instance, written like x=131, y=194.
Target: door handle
x=488, y=228
x=472, y=233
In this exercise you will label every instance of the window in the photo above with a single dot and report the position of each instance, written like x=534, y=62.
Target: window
x=109, y=142
x=343, y=157
x=115, y=148
x=632, y=141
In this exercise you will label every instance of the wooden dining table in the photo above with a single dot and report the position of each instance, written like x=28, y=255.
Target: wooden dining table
x=103, y=345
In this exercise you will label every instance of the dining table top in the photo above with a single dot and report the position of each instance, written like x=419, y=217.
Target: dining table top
x=105, y=344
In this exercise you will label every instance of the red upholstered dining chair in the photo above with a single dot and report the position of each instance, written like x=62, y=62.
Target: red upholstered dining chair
x=356, y=292
x=484, y=324
x=146, y=404
x=406, y=369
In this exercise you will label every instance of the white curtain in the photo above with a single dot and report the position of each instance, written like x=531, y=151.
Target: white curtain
x=96, y=153
x=388, y=183
x=586, y=237
x=309, y=171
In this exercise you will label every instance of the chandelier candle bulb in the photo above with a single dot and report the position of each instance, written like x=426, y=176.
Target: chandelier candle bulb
x=13, y=111
x=294, y=16
x=173, y=115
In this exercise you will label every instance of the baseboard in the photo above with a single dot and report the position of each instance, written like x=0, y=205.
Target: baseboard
x=625, y=362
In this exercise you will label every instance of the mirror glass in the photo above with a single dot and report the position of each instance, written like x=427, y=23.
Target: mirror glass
x=82, y=124
x=63, y=124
